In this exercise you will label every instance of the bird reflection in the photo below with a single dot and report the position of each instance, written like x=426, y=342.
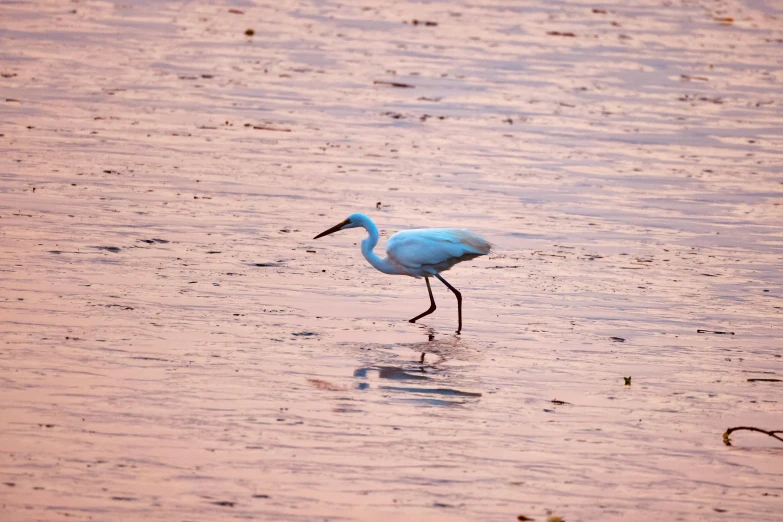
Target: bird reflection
x=430, y=338
x=426, y=370
x=446, y=348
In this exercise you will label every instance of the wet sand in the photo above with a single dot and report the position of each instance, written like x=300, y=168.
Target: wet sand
x=175, y=346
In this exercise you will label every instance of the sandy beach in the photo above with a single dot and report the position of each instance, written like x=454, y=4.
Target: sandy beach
x=174, y=345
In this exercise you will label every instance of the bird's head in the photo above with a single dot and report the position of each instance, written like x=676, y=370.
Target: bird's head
x=352, y=221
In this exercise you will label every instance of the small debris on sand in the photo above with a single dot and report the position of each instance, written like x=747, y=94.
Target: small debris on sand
x=395, y=84
x=326, y=385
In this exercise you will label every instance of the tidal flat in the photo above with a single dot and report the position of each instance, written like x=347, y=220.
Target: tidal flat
x=174, y=345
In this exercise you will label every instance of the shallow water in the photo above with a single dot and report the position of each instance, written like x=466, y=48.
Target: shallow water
x=175, y=346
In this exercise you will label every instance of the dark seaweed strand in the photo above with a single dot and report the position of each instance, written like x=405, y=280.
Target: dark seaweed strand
x=773, y=433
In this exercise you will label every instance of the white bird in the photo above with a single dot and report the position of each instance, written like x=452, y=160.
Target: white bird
x=421, y=252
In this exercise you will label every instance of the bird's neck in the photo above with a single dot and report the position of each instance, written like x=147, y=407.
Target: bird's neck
x=367, y=249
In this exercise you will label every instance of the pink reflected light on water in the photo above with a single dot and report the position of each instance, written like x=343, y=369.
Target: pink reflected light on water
x=174, y=345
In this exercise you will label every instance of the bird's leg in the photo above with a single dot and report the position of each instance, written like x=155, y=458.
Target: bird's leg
x=459, y=300
x=432, y=303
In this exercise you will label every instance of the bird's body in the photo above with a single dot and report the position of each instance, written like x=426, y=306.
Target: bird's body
x=423, y=252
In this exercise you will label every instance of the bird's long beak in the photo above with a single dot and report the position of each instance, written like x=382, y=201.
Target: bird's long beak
x=332, y=230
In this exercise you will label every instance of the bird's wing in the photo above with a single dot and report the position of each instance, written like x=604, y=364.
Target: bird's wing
x=434, y=246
